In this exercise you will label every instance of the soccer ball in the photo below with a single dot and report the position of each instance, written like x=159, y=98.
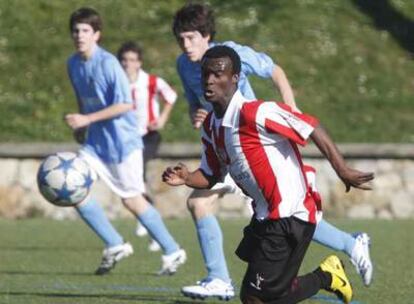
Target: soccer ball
x=64, y=179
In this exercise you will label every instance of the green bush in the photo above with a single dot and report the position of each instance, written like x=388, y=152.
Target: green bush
x=355, y=77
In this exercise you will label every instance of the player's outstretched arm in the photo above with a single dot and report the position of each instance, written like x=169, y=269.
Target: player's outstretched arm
x=179, y=175
x=77, y=120
x=281, y=82
x=350, y=177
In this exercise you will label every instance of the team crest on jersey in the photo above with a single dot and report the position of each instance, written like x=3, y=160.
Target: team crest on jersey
x=258, y=283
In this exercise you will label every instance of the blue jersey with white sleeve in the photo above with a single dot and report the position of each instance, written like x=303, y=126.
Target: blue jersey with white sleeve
x=252, y=63
x=100, y=82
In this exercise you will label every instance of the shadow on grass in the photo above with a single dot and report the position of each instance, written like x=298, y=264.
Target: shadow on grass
x=22, y=272
x=146, y=298
x=387, y=17
x=71, y=273
x=48, y=248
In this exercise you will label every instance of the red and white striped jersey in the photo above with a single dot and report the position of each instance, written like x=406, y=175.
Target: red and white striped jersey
x=146, y=92
x=311, y=179
x=256, y=142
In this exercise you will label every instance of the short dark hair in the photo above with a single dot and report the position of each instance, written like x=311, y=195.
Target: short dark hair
x=194, y=17
x=130, y=46
x=86, y=15
x=221, y=51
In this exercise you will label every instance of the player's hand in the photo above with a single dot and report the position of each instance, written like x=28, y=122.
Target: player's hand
x=80, y=135
x=76, y=121
x=198, y=118
x=175, y=176
x=356, y=179
x=155, y=125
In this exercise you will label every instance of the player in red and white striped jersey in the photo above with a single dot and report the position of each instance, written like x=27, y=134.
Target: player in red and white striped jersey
x=147, y=91
x=256, y=142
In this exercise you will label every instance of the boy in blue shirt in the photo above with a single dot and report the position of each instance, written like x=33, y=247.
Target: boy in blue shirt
x=112, y=146
x=194, y=30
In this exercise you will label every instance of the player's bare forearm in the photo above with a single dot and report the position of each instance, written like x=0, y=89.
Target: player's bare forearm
x=110, y=112
x=282, y=84
x=165, y=115
x=77, y=120
x=350, y=177
x=179, y=175
x=197, y=117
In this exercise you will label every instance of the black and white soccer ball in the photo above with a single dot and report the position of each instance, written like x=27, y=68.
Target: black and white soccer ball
x=64, y=179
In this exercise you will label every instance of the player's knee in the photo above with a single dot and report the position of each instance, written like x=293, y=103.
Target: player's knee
x=129, y=204
x=194, y=205
x=248, y=299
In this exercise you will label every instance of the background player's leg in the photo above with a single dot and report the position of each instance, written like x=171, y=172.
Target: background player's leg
x=152, y=142
x=330, y=236
x=200, y=204
x=218, y=282
x=152, y=221
x=355, y=246
x=150, y=217
x=94, y=216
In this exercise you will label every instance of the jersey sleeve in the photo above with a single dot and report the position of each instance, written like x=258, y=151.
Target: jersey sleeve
x=118, y=81
x=189, y=94
x=252, y=62
x=75, y=90
x=166, y=91
x=281, y=119
x=210, y=163
x=311, y=179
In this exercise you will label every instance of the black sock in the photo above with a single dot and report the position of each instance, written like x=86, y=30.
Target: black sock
x=325, y=277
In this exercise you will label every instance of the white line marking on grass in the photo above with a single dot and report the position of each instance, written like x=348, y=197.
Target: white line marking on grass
x=162, y=289
x=331, y=299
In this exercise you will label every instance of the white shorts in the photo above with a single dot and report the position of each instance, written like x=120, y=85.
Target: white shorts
x=125, y=179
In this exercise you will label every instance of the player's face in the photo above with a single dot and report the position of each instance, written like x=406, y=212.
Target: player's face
x=218, y=81
x=131, y=63
x=193, y=44
x=84, y=38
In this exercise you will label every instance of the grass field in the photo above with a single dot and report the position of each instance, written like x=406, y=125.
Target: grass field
x=43, y=261
x=344, y=67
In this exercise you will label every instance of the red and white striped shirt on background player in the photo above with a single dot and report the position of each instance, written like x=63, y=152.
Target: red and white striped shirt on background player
x=256, y=142
x=146, y=92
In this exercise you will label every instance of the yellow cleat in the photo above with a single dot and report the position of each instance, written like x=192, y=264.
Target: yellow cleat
x=340, y=284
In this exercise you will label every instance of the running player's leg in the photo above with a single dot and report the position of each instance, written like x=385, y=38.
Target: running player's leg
x=334, y=238
x=355, y=246
x=218, y=282
x=130, y=176
x=201, y=204
x=152, y=142
x=94, y=216
x=274, y=251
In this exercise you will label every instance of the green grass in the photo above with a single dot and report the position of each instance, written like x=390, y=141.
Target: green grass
x=343, y=68
x=44, y=261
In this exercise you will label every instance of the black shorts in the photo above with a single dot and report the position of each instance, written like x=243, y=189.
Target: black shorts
x=152, y=142
x=274, y=250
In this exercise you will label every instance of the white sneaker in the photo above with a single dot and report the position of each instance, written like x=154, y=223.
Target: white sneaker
x=112, y=255
x=171, y=262
x=154, y=246
x=361, y=259
x=140, y=230
x=209, y=288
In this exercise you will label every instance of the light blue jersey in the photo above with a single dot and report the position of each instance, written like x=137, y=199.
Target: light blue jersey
x=252, y=63
x=100, y=82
